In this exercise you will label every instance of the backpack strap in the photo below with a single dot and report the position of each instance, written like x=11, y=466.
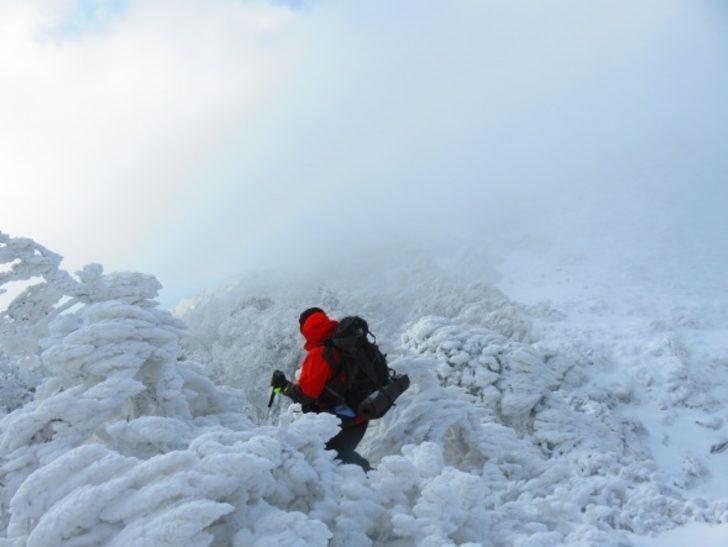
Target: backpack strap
x=334, y=386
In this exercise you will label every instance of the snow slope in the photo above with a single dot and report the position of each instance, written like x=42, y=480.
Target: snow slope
x=662, y=324
x=530, y=423
x=608, y=387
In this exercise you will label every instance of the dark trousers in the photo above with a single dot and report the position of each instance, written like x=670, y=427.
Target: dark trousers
x=346, y=441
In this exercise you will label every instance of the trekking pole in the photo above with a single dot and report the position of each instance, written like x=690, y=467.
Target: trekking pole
x=270, y=404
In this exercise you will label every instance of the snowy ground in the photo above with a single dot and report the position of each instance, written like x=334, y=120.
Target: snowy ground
x=664, y=331
x=585, y=409
x=618, y=378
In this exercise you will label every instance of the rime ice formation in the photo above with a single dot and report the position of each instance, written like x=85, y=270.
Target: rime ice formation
x=116, y=429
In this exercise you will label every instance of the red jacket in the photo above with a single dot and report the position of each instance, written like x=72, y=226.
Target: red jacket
x=315, y=371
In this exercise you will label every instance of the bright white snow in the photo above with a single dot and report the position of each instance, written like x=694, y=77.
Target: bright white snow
x=579, y=421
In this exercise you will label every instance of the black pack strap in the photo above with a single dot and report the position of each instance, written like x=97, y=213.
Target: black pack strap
x=331, y=360
x=335, y=367
x=336, y=394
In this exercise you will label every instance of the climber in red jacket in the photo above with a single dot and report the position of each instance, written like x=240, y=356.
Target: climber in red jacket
x=313, y=389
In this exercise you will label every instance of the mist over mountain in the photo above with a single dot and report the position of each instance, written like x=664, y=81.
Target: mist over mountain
x=525, y=200
x=242, y=136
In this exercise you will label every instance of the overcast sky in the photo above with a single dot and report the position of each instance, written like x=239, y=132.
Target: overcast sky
x=199, y=139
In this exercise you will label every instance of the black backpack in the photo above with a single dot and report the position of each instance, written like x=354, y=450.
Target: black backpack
x=349, y=350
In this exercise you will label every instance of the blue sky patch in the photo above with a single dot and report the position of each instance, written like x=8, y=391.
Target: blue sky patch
x=88, y=15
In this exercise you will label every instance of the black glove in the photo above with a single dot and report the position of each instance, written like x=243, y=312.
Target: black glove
x=279, y=382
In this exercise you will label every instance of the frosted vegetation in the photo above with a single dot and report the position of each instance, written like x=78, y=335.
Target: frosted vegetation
x=117, y=428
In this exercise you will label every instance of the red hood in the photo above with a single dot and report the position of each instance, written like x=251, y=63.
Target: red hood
x=317, y=327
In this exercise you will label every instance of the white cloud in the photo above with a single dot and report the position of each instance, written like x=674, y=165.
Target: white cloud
x=196, y=139
x=102, y=129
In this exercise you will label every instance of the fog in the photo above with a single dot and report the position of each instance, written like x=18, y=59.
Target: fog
x=197, y=141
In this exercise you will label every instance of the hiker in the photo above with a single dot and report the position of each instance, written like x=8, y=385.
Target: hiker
x=318, y=390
